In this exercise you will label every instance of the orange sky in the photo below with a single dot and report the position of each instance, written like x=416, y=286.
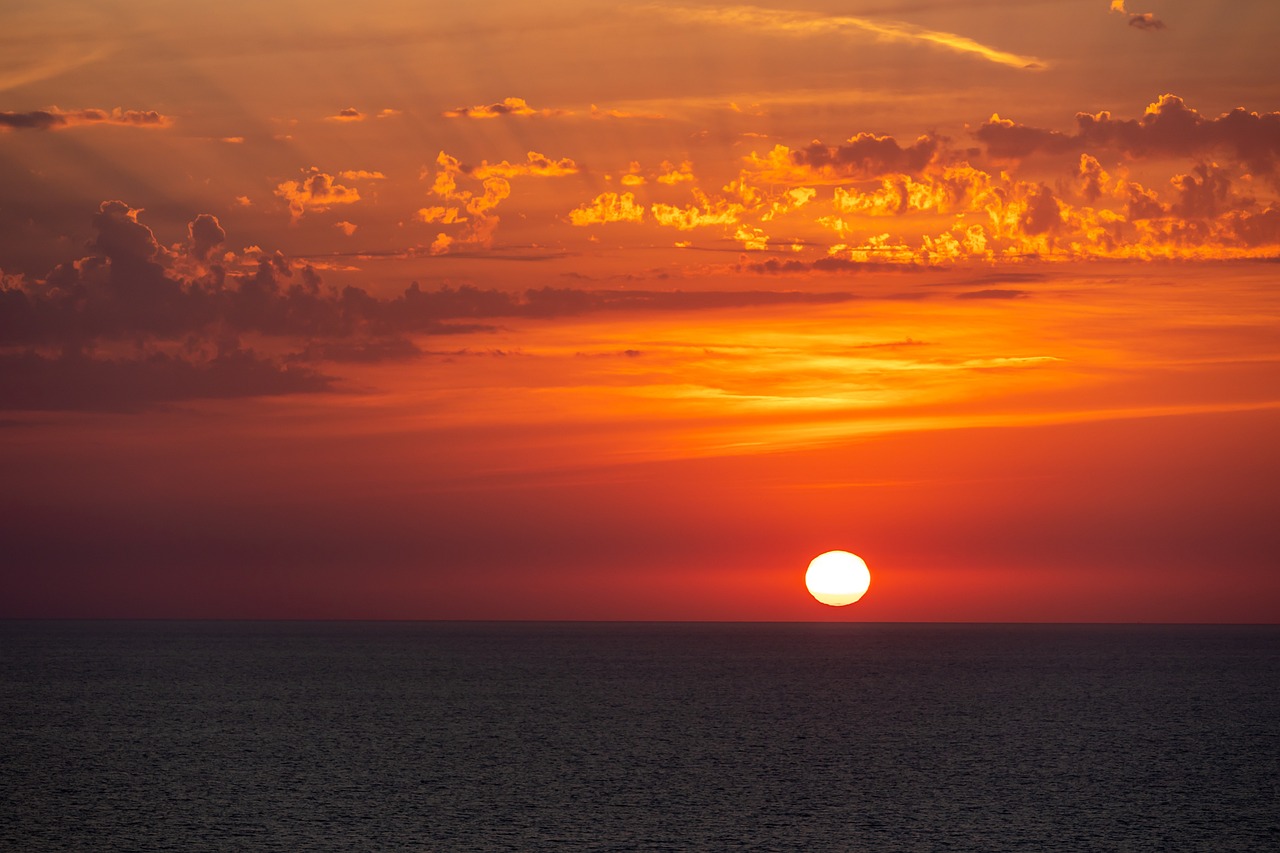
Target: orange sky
x=588, y=312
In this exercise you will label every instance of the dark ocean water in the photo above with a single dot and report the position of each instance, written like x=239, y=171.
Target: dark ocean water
x=148, y=736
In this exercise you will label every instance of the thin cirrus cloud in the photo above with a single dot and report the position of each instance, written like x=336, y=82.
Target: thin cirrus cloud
x=798, y=23
x=57, y=119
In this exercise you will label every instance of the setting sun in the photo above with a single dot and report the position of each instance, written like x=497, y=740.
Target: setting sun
x=837, y=578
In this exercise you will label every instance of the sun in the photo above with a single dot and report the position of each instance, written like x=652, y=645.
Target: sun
x=837, y=578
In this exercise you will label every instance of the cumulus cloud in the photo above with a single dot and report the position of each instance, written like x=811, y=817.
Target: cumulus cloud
x=536, y=165
x=608, y=207
x=1138, y=20
x=863, y=156
x=317, y=191
x=672, y=174
x=1168, y=128
x=204, y=234
x=56, y=119
x=361, y=175
x=472, y=208
x=705, y=211
x=507, y=107
x=346, y=115
x=133, y=314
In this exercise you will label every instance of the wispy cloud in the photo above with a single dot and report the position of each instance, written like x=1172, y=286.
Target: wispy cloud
x=812, y=23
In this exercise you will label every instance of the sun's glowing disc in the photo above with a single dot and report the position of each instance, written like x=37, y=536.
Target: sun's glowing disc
x=837, y=578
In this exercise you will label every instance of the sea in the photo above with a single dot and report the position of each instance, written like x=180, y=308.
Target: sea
x=470, y=736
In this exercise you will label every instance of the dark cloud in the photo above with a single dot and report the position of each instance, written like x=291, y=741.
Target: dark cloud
x=1202, y=194
x=180, y=313
x=56, y=119
x=205, y=234
x=869, y=156
x=1168, y=128
x=1256, y=229
x=775, y=266
x=1145, y=21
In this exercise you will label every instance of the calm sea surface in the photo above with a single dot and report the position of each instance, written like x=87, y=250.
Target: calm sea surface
x=194, y=736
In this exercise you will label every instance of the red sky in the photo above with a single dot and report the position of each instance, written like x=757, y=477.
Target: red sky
x=572, y=311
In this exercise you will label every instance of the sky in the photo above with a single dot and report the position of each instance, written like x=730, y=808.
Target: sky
x=580, y=310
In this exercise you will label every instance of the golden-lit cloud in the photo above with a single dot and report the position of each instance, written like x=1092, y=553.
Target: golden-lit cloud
x=672, y=175
x=608, y=207
x=535, y=165
x=507, y=107
x=799, y=23
x=442, y=215
x=480, y=223
x=346, y=115
x=1139, y=20
x=315, y=192
x=56, y=119
x=347, y=228
x=361, y=175
x=706, y=211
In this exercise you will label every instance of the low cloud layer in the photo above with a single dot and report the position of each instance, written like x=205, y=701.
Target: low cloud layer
x=137, y=323
x=56, y=119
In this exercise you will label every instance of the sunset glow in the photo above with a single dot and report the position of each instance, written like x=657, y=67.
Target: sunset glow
x=574, y=311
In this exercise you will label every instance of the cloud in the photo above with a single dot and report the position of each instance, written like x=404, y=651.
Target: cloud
x=56, y=119
x=361, y=175
x=774, y=266
x=705, y=212
x=347, y=115
x=1139, y=20
x=479, y=222
x=1168, y=128
x=507, y=107
x=672, y=175
x=863, y=156
x=204, y=234
x=315, y=192
x=797, y=23
x=536, y=165
x=598, y=113
x=347, y=228
x=121, y=238
x=608, y=207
